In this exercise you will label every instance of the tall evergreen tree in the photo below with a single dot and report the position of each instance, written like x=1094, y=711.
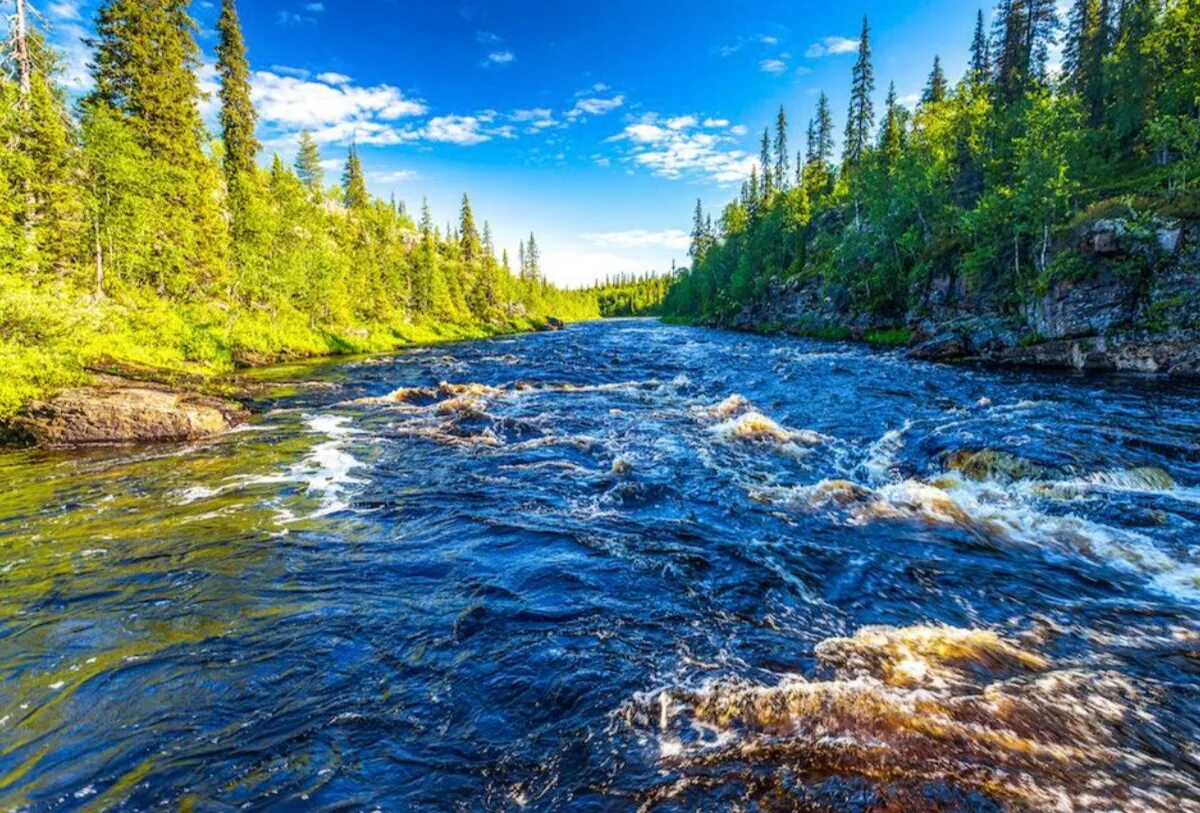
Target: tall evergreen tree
x=472, y=247
x=980, y=63
x=144, y=62
x=308, y=164
x=824, y=150
x=782, y=158
x=935, y=88
x=892, y=134
x=861, y=117
x=1133, y=71
x=533, y=256
x=354, y=183
x=238, y=117
x=1088, y=42
x=764, y=162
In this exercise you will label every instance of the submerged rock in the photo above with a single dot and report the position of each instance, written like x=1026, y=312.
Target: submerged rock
x=126, y=414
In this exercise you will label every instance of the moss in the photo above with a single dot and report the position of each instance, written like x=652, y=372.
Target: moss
x=895, y=337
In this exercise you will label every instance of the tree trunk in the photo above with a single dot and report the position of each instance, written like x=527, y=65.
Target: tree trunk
x=24, y=63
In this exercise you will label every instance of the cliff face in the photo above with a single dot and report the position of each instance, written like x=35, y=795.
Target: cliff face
x=1113, y=294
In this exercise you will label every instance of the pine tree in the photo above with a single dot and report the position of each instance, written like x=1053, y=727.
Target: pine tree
x=1132, y=71
x=981, y=63
x=764, y=162
x=861, y=117
x=824, y=151
x=699, y=234
x=308, y=164
x=472, y=249
x=810, y=143
x=354, y=184
x=238, y=117
x=522, y=262
x=1088, y=42
x=533, y=256
x=892, y=135
x=1025, y=30
x=782, y=158
x=935, y=88
x=145, y=56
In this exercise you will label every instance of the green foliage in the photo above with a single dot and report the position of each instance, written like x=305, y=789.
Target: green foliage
x=984, y=183
x=122, y=237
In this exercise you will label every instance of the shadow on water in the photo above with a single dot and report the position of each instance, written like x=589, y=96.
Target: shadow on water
x=624, y=566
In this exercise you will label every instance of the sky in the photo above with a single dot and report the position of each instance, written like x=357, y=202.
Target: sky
x=596, y=124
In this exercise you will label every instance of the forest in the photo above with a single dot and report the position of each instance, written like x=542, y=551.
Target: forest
x=981, y=179
x=130, y=233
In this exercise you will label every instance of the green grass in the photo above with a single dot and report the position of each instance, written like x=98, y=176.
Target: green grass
x=895, y=337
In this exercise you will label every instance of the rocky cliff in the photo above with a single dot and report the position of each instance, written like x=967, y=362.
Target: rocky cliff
x=1115, y=293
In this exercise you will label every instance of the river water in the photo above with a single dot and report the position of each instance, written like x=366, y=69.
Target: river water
x=625, y=566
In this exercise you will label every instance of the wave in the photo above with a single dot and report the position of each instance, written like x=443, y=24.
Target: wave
x=914, y=709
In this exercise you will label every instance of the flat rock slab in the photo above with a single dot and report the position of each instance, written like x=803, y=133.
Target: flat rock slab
x=127, y=414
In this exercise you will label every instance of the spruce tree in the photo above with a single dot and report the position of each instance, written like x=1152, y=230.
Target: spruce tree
x=238, y=117
x=1088, y=42
x=533, y=257
x=981, y=63
x=892, y=134
x=935, y=88
x=354, y=184
x=308, y=164
x=861, y=116
x=764, y=162
x=782, y=158
x=824, y=152
x=469, y=241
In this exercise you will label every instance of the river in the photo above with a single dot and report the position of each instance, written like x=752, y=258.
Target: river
x=623, y=566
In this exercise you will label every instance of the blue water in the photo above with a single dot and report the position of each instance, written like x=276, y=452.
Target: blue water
x=599, y=580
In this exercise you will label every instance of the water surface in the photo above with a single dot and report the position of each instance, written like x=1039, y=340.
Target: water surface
x=625, y=566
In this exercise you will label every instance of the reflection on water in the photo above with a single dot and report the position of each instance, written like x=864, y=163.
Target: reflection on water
x=625, y=566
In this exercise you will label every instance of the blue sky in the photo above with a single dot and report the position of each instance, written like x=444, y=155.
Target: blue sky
x=595, y=123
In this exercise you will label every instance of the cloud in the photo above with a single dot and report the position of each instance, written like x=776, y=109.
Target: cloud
x=682, y=122
x=739, y=129
x=772, y=66
x=332, y=78
x=487, y=38
x=767, y=39
x=465, y=131
x=831, y=46
x=682, y=152
x=66, y=10
x=71, y=41
x=641, y=238
x=595, y=106
x=290, y=18
x=499, y=58
x=391, y=176
x=535, y=119
x=315, y=8
x=719, y=124
x=910, y=100
x=285, y=70
x=291, y=101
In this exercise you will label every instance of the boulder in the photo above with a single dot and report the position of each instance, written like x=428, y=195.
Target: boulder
x=126, y=414
x=941, y=348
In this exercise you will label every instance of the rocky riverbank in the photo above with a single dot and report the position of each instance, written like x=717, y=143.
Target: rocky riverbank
x=1113, y=293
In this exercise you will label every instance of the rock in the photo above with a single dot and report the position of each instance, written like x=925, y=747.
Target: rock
x=1088, y=307
x=1168, y=239
x=126, y=414
x=941, y=348
x=554, y=323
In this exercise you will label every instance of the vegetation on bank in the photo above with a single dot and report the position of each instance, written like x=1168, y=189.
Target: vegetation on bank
x=630, y=294
x=127, y=232
x=981, y=180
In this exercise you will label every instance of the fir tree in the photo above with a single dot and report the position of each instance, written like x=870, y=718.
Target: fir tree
x=824, y=151
x=980, y=67
x=308, y=164
x=469, y=241
x=764, y=162
x=533, y=257
x=861, y=117
x=782, y=158
x=935, y=88
x=238, y=117
x=1088, y=42
x=354, y=184
x=892, y=134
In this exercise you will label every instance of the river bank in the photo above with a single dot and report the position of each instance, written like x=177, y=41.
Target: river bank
x=1113, y=294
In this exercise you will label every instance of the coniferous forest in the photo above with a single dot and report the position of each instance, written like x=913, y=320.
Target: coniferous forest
x=128, y=232
x=987, y=187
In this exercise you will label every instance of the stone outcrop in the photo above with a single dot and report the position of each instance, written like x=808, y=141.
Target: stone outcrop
x=1131, y=301
x=113, y=412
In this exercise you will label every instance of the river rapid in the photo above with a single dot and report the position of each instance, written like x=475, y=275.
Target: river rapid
x=624, y=566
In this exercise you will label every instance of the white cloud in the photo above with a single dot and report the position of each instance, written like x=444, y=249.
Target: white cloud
x=71, y=41
x=772, y=66
x=640, y=238
x=287, y=70
x=682, y=122
x=739, y=129
x=392, y=176
x=831, y=46
x=66, y=10
x=535, y=119
x=315, y=8
x=487, y=38
x=333, y=78
x=910, y=100
x=285, y=17
x=677, y=153
x=767, y=39
x=465, y=131
x=499, y=58
x=595, y=106
x=289, y=101
x=717, y=123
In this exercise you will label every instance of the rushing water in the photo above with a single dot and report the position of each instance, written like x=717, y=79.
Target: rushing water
x=623, y=566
